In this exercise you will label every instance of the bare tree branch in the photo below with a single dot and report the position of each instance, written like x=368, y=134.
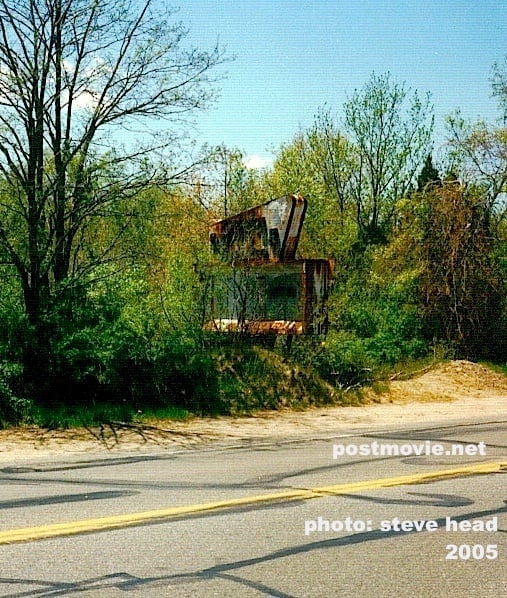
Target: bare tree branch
x=72, y=72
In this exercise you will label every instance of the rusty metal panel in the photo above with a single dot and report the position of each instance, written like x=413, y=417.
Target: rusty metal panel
x=270, y=298
x=261, y=288
x=317, y=276
x=269, y=231
x=284, y=221
x=278, y=327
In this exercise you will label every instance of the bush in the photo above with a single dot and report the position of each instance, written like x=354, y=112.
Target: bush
x=462, y=282
x=340, y=358
x=73, y=416
x=13, y=408
x=174, y=371
x=251, y=378
x=378, y=311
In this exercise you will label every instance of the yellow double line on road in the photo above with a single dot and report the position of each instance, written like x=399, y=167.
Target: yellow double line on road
x=120, y=521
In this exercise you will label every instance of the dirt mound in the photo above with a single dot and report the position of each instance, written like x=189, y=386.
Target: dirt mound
x=456, y=389
x=446, y=382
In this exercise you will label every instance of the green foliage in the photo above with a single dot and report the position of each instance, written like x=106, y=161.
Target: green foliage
x=378, y=302
x=159, y=413
x=428, y=175
x=501, y=368
x=182, y=296
x=226, y=185
x=461, y=281
x=389, y=329
x=114, y=330
x=65, y=416
x=477, y=156
x=12, y=317
x=175, y=372
x=217, y=377
x=13, y=408
x=253, y=379
x=61, y=417
x=317, y=163
x=390, y=128
x=340, y=359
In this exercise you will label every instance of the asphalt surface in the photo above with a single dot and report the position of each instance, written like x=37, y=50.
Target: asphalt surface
x=393, y=514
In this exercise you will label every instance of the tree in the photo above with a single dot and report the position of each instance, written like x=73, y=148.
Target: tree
x=428, y=175
x=317, y=164
x=391, y=130
x=461, y=282
x=329, y=154
x=225, y=185
x=465, y=286
x=76, y=76
x=478, y=154
x=295, y=171
x=499, y=86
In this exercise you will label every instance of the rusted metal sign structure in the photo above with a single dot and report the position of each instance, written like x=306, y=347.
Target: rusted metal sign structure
x=260, y=287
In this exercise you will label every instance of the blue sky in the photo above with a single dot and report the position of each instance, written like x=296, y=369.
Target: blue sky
x=292, y=57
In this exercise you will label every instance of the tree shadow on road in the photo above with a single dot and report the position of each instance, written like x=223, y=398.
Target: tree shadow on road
x=126, y=582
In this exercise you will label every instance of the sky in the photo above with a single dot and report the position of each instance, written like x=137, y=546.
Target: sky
x=292, y=57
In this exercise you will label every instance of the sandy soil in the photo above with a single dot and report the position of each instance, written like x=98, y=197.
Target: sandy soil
x=445, y=393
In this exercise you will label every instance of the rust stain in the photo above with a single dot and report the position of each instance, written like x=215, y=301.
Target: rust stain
x=269, y=231
x=261, y=245
x=282, y=327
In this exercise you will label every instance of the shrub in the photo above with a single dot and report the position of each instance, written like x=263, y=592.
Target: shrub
x=340, y=358
x=13, y=408
x=252, y=378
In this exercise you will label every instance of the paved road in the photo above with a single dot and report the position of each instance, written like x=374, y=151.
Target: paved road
x=326, y=535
